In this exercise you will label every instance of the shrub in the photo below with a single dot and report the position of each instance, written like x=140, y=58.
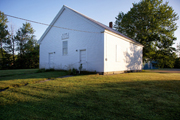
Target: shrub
x=45, y=70
x=87, y=72
x=74, y=71
x=177, y=63
x=69, y=72
x=41, y=70
x=48, y=70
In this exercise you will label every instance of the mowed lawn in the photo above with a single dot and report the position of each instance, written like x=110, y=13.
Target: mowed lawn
x=21, y=77
x=143, y=95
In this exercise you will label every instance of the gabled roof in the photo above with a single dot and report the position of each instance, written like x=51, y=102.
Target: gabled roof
x=96, y=22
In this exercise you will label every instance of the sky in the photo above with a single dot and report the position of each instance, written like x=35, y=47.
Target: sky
x=44, y=11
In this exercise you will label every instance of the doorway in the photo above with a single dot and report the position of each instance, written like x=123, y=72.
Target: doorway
x=51, y=62
x=83, y=58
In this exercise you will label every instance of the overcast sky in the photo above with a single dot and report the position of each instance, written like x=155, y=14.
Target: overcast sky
x=44, y=11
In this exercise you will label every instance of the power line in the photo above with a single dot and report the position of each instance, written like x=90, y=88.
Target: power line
x=48, y=24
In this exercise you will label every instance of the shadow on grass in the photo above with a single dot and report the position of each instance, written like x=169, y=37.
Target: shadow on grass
x=12, y=72
x=48, y=75
x=20, y=80
x=115, y=100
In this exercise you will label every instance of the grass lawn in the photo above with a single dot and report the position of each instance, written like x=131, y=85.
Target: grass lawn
x=5, y=73
x=142, y=95
x=21, y=77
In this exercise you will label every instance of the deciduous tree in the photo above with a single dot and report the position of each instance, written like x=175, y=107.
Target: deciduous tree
x=3, y=30
x=27, y=47
x=178, y=50
x=10, y=43
x=23, y=36
x=152, y=23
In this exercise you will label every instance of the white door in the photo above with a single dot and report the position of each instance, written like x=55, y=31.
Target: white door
x=83, y=59
x=51, y=63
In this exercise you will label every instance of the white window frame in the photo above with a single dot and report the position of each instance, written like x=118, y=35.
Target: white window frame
x=63, y=48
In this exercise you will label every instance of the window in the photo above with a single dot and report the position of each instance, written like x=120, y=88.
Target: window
x=65, y=47
x=119, y=53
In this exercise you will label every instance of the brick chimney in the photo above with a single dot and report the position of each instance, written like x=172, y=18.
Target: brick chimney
x=110, y=24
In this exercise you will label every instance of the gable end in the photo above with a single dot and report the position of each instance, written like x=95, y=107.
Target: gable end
x=51, y=25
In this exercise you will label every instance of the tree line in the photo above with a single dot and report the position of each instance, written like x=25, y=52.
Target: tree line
x=18, y=50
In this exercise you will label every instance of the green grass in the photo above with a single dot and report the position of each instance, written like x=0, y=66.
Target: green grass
x=125, y=96
x=5, y=73
x=16, y=78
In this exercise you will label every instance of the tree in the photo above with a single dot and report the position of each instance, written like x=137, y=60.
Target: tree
x=152, y=23
x=178, y=50
x=3, y=30
x=27, y=47
x=177, y=61
x=10, y=43
x=23, y=36
x=5, y=62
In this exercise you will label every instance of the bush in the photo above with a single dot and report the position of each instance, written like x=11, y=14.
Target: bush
x=45, y=70
x=72, y=71
x=48, y=70
x=41, y=70
x=177, y=63
x=87, y=72
x=69, y=72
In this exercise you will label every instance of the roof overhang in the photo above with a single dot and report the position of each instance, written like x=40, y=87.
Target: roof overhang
x=123, y=37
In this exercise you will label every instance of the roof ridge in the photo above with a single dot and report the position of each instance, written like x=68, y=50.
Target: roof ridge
x=83, y=15
x=102, y=25
x=88, y=18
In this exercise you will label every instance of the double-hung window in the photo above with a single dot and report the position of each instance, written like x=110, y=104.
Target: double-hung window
x=65, y=47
